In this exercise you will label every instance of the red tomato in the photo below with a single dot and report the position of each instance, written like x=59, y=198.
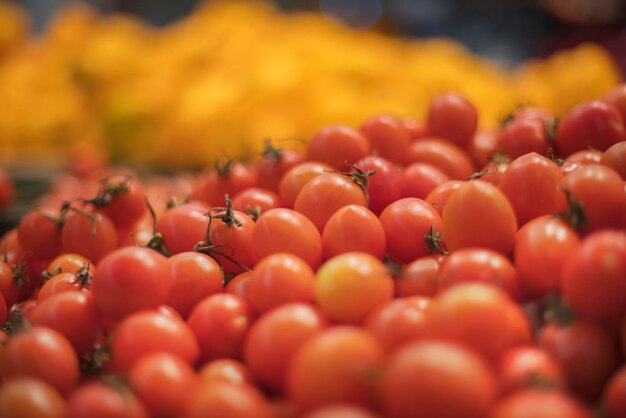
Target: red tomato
x=453, y=117
x=220, y=324
x=387, y=137
x=479, y=215
x=63, y=282
x=230, y=235
x=615, y=393
x=419, y=179
x=408, y=224
x=9, y=287
x=100, y=400
x=122, y=199
x=152, y=331
x=415, y=128
x=69, y=263
x=274, y=164
x=28, y=398
x=442, y=154
x=363, y=277
x=615, y=158
x=238, y=285
x=492, y=172
x=183, y=227
x=617, y=98
x=294, y=180
x=129, y=280
x=285, y=230
x=334, y=366
x=383, y=188
x=440, y=194
x=337, y=145
x=419, y=278
x=90, y=234
x=436, y=379
x=39, y=232
x=539, y=404
x=230, y=178
x=593, y=276
x=353, y=228
x=342, y=411
x=255, y=201
x=226, y=370
x=529, y=367
x=7, y=190
x=584, y=157
x=10, y=247
x=232, y=400
x=274, y=339
x=525, y=135
x=482, y=147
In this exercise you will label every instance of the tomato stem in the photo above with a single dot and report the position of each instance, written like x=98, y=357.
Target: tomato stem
x=434, y=241
x=575, y=214
x=223, y=170
x=254, y=212
x=480, y=174
x=558, y=161
x=108, y=191
x=16, y=322
x=93, y=363
x=271, y=152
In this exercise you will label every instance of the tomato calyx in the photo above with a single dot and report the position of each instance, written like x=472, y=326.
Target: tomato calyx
x=359, y=177
x=58, y=221
x=550, y=127
x=18, y=272
x=16, y=322
x=558, y=161
x=224, y=170
x=173, y=202
x=434, y=242
x=93, y=363
x=254, y=212
x=108, y=191
x=575, y=214
x=47, y=275
x=477, y=175
x=271, y=152
x=500, y=157
x=156, y=242
x=557, y=311
x=226, y=214
x=83, y=275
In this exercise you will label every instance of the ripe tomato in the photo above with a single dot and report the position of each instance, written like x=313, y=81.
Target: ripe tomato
x=419, y=179
x=524, y=135
x=10, y=247
x=63, y=282
x=410, y=226
x=584, y=157
x=232, y=400
x=419, y=380
x=482, y=147
x=617, y=98
x=88, y=233
x=387, y=137
x=122, y=199
x=3, y=309
x=342, y=411
x=363, y=277
x=28, y=398
x=539, y=404
x=335, y=366
x=337, y=145
x=255, y=201
x=479, y=215
x=230, y=178
x=285, y=230
x=44, y=354
x=131, y=279
x=615, y=393
x=615, y=158
x=453, y=117
x=419, y=278
x=69, y=263
x=230, y=235
x=529, y=367
x=440, y=194
x=415, y=128
x=183, y=227
x=194, y=276
x=442, y=154
x=39, y=232
x=274, y=339
x=274, y=163
x=382, y=188
x=593, y=276
x=238, y=285
x=353, y=228
x=7, y=190
x=294, y=180
x=100, y=400
x=220, y=323
x=9, y=287
x=226, y=370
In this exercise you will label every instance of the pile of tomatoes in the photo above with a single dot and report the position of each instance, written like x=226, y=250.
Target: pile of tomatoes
x=402, y=269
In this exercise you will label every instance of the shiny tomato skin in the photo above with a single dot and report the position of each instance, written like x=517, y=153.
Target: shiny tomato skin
x=39, y=233
x=294, y=180
x=419, y=179
x=125, y=208
x=444, y=155
x=234, y=241
x=533, y=403
x=255, y=200
x=337, y=145
x=183, y=227
x=342, y=411
x=440, y=194
x=353, y=228
x=77, y=235
x=225, y=399
x=29, y=398
x=615, y=157
x=482, y=147
x=418, y=278
x=272, y=168
x=99, y=400
x=229, y=179
x=615, y=393
x=452, y=116
x=383, y=188
x=529, y=367
x=522, y=136
x=227, y=370
x=617, y=98
x=387, y=137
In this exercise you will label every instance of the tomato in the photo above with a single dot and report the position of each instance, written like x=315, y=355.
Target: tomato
x=7, y=190
x=584, y=157
x=101, y=400
x=387, y=137
x=274, y=163
x=230, y=240
x=442, y=154
x=122, y=199
x=541, y=248
x=363, y=277
x=230, y=178
x=342, y=411
x=285, y=230
x=539, y=404
x=238, y=285
x=183, y=227
x=617, y=98
x=39, y=232
x=294, y=180
x=479, y=215
x=483, y=266
x=164, y=383
x=436, y=379
x=69, y=263
x=399, y=321
x=593, y=276
x=353, y=228
x=255, y=201
x=615, y=393
x=479, y=316
x=415, y=128
x=615, y=157
x=151, y=331
x=482, y=147
x=593, y=124
x=274, y=339
x=63, y=282
x=383, y=188
x=28, y=398
x=131, y=279
x=418, y=278
x=440, y=194
x=232, y=400
x=88, y=233
x=44, y=354
x=419, y=179
x=492, y=172
x=323, y=195
x=335, y=366
x=194, y=276
x=585, y=352
x=3, y=309
x=533, y=185
x=529, y=367
x=453, y=117
x=9, y=287
x=220, y=323
x=337, y=145
x=10, y=248
x=524, y=135
x=411, y=226
x=72, y=314
x=226, y=370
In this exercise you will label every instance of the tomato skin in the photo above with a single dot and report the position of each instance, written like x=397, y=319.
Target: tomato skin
x=59, y=283
x=77, y=236
x=592, y=124
x=345, y=356
x=523, y=136
x=238, y=285
x=337, y=145
x=585, y=352
x=213, y=185
x=131, y=279
x=151, y=331
x=483, y=266
x=7, y=190
x=285, y=230
x=387, y=137
x=482, y=147
x=29, y=398
x=617, y=98
x=419, y=179
x=220, y=324
x=533, y=185
x=406, y=222
x=274, y=339
x=527, y=367
x=442, y=154
x=418, y=278
x=615, y=393
x=294, y=180
x=183, y=227
x=125, y=208
x=541, y=248
x=440, y=194
x=359, y=275
x=40, y=235
x=9, y=288
x=44, y=354
x=479, y=215
x=251, y=199
x=226, y=370
x=225, y=399
x=353, y=228
x=69, y=263
x=235, y=241
x=593, y=276
x=415, y=129
x=10, y=245
x=418, y=381
x=383, y=188
x=453, y=117
x=615, y=157
x=99, y=400
x=534, y=403
x=271, y=169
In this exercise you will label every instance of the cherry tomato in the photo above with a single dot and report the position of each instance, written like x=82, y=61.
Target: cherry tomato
x=238, y=285
x=294, y=180
x=7, y=190
x=9, y=287
x=226, y=370
x=387, y=137
x=100, y=400
x=453, y=117
x=482, y=147
x=10, y=247
x=28, y=398
x=419, y=278
x=342, y=411
x=440, y=194
x=39, y=232
x=62, y=282
x=232, y=400
x=529, y=367
x=615, y=157
x=232, y=237
x=88, y=233
x=419, y=179
x=183, y=227
x=353, y=228
x=442, y=154
x=274, y=163
x=230, y=178
x=415, y=128
x=69, y=263
x=254, y=201
x=337, y=145
x=524, y=135
x=124, y=201
x=615, y=393
x=617, y=98
x=539, y=404
x=584, y=157
x=383, y=188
